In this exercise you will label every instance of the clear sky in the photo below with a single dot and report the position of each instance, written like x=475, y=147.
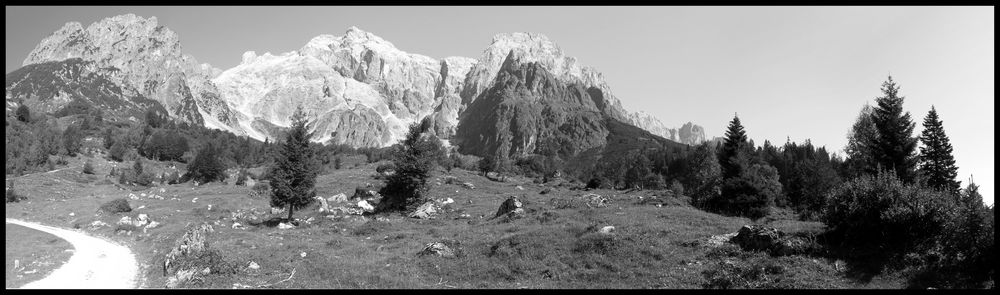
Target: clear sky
x=790, y=72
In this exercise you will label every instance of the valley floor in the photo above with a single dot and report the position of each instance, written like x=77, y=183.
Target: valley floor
x=658, y=242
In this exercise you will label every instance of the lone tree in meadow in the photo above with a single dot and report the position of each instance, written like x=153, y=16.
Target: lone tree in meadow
x=895, y=146
x=937, y=165
x=293, y=176
x=414, y=159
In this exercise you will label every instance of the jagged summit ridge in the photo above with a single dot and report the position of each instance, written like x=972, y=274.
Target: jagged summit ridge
x=361, y=89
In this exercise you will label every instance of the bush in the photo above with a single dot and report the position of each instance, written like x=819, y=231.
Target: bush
x=13, y=196
x=117, y=151
x=23, y=114
x=880, y=217
x=165, y=146
x=72, y=139
x=174, y=178
x=677, y=188
x=385, y=167
x=88, y=167
x=595, y=183
x=241, y=177
x=750, y=194
x=116, y=206
x=206, y=166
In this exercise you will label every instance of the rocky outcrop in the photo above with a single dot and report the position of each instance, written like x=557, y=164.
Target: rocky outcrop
x=53, y=85
x=143, y=56
x=526, y=107
x=691, y=134
x=358, y=88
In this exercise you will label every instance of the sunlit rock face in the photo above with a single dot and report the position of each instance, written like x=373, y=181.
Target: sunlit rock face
x=357, y=88
x=146, y=58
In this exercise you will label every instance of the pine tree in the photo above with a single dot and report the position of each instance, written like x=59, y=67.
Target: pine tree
x=734, y=149
x=293, y=176
x=413, y=159
x=937, y=165
x=860, y=148
x=895, y=146
x=72, y=139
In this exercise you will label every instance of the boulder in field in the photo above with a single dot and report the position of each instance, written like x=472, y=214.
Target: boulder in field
x=338, y=198
x=425, y=211
x=468, y=185
x=607, y=229
x=436, y=248
x=758, y=238
x=511, y=208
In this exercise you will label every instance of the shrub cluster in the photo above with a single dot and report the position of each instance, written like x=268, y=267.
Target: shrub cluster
x=116, y=206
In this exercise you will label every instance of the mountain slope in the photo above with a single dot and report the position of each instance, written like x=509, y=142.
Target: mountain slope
x=359, y=88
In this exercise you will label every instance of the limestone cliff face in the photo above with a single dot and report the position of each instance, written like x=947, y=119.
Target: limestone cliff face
x=359, y=88
x=358, y=76
x=145, y=56
x=691, y=134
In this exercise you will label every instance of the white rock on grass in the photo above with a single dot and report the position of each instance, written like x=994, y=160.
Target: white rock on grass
x=364, y=205
x=607, y=229
x=253, y=265
x=285, y=226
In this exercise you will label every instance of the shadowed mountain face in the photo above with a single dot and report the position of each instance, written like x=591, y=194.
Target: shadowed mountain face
x=52, y=86
x=359, y=88
x=527, y=108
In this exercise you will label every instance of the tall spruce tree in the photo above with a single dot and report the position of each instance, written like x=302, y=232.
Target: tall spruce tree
x=734, y=149
x=895, y=147
x=860, y=148
x=414, y=159
x=937, y=165
x=293, y=176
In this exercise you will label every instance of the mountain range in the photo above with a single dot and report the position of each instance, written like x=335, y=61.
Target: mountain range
x=358, y=89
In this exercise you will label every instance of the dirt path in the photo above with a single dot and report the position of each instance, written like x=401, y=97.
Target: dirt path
x=96, y=263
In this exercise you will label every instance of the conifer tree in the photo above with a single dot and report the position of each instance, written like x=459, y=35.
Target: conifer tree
x=860, y=148
x=733, y=149
x=937, y=165
x=414, y=160
x=293, y=176
x=895, y=146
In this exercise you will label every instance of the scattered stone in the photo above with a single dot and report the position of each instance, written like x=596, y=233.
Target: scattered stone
x=595, y=200
x=237, y=225
x=339, y=198
x=425, y=211
x=468, y=185
x=206, y=271
x=510, y=207
x=519, y=188
x=465, y=216
x=324, y=206
x=607, y=229
x=365, y=194
x=163, y=190
x=275, y=210
x=195, y=200
x=72, y=214
x=364, y=205
x=303, y=255
x=141, y=207
x=253, y=265
x=192, y=242
x=445, y=201
x=143, y=217
x=125, y=220
x=97, y=224
x=436, y=248
x=718, y=240
x=285, y=226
